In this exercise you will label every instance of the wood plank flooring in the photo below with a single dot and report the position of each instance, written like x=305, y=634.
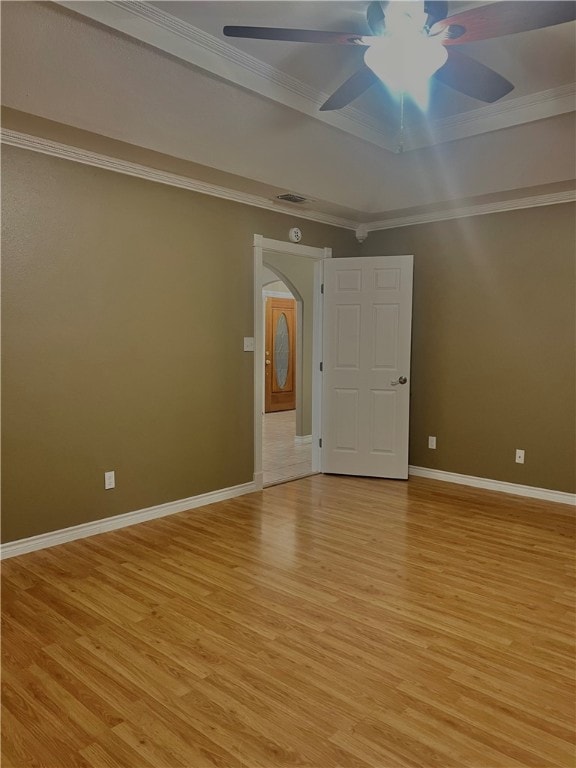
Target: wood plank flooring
x=327, y=622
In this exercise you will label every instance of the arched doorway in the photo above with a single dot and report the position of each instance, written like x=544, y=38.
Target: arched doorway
x=286, y=446
x=290, y=262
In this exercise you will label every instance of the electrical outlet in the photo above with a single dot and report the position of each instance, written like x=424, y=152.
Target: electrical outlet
x=109, y=480
x=432, y=442
x=519, y=456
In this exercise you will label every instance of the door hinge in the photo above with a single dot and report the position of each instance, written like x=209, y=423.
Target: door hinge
x=322, y=288
x=321, y=366
x=320, y=442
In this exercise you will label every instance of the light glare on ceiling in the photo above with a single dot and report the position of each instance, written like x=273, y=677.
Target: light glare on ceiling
x=405, y=57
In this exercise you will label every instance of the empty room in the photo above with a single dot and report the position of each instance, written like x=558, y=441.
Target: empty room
x=288, y=384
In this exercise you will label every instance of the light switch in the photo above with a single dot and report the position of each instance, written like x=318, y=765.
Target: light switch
x=248, y=343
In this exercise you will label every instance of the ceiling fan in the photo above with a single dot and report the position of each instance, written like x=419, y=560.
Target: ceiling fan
x=411, y=42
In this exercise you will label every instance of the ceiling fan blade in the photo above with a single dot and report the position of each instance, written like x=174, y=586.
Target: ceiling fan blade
x=351, y=89
x=472, y=78
x=436, y=10
x=295, y=35
x=505, y=18
x=375, y=18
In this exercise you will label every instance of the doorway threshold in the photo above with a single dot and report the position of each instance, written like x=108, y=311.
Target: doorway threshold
x=286, y=479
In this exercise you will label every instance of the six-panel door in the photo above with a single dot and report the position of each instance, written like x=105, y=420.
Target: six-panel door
x=366, y=379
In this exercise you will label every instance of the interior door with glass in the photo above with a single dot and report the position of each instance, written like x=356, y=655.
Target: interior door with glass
x=279, y=355
x=366, y=365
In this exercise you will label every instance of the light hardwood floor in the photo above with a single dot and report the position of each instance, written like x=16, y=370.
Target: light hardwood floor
x=328, y=622
x=282, y=458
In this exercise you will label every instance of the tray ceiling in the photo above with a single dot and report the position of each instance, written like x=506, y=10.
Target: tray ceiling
x=162, y=77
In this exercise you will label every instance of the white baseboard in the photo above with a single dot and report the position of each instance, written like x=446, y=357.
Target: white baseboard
x=302, y=439
x=495, y=485
x=53, y=538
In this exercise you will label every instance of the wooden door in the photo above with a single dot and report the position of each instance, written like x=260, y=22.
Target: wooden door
x=366, y=391
x=279, y=355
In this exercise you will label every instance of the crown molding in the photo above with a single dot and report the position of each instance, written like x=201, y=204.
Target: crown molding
x=480, y=209
x=564, y=96
x=494, y=117
x=166, y=32
x=85, y=157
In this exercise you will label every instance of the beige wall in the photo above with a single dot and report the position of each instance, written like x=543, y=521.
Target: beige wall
x=277, y=287
x=124, y=307
x=493, y=358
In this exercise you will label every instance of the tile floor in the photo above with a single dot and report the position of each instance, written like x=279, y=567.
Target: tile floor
x=282, y=458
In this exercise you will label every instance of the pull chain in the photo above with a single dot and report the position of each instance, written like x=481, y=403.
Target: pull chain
x=401, y=136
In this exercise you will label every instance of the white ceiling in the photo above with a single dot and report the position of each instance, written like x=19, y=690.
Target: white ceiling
x=161, y=76
x=325, y=67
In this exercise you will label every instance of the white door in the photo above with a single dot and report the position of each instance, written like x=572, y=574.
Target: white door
x=366, y=364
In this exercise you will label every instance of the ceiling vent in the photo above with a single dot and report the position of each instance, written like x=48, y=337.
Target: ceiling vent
x=290, y=198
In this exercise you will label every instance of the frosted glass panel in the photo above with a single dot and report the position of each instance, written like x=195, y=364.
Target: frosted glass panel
x=281, y=351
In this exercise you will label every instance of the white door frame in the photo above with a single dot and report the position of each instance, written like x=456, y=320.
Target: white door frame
x=261, y=245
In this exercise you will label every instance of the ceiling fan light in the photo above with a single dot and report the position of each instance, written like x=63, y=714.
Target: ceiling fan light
x=402, y=17
x=406, y=63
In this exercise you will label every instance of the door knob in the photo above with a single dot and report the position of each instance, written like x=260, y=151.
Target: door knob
x=268, y=362
x=401, y=380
